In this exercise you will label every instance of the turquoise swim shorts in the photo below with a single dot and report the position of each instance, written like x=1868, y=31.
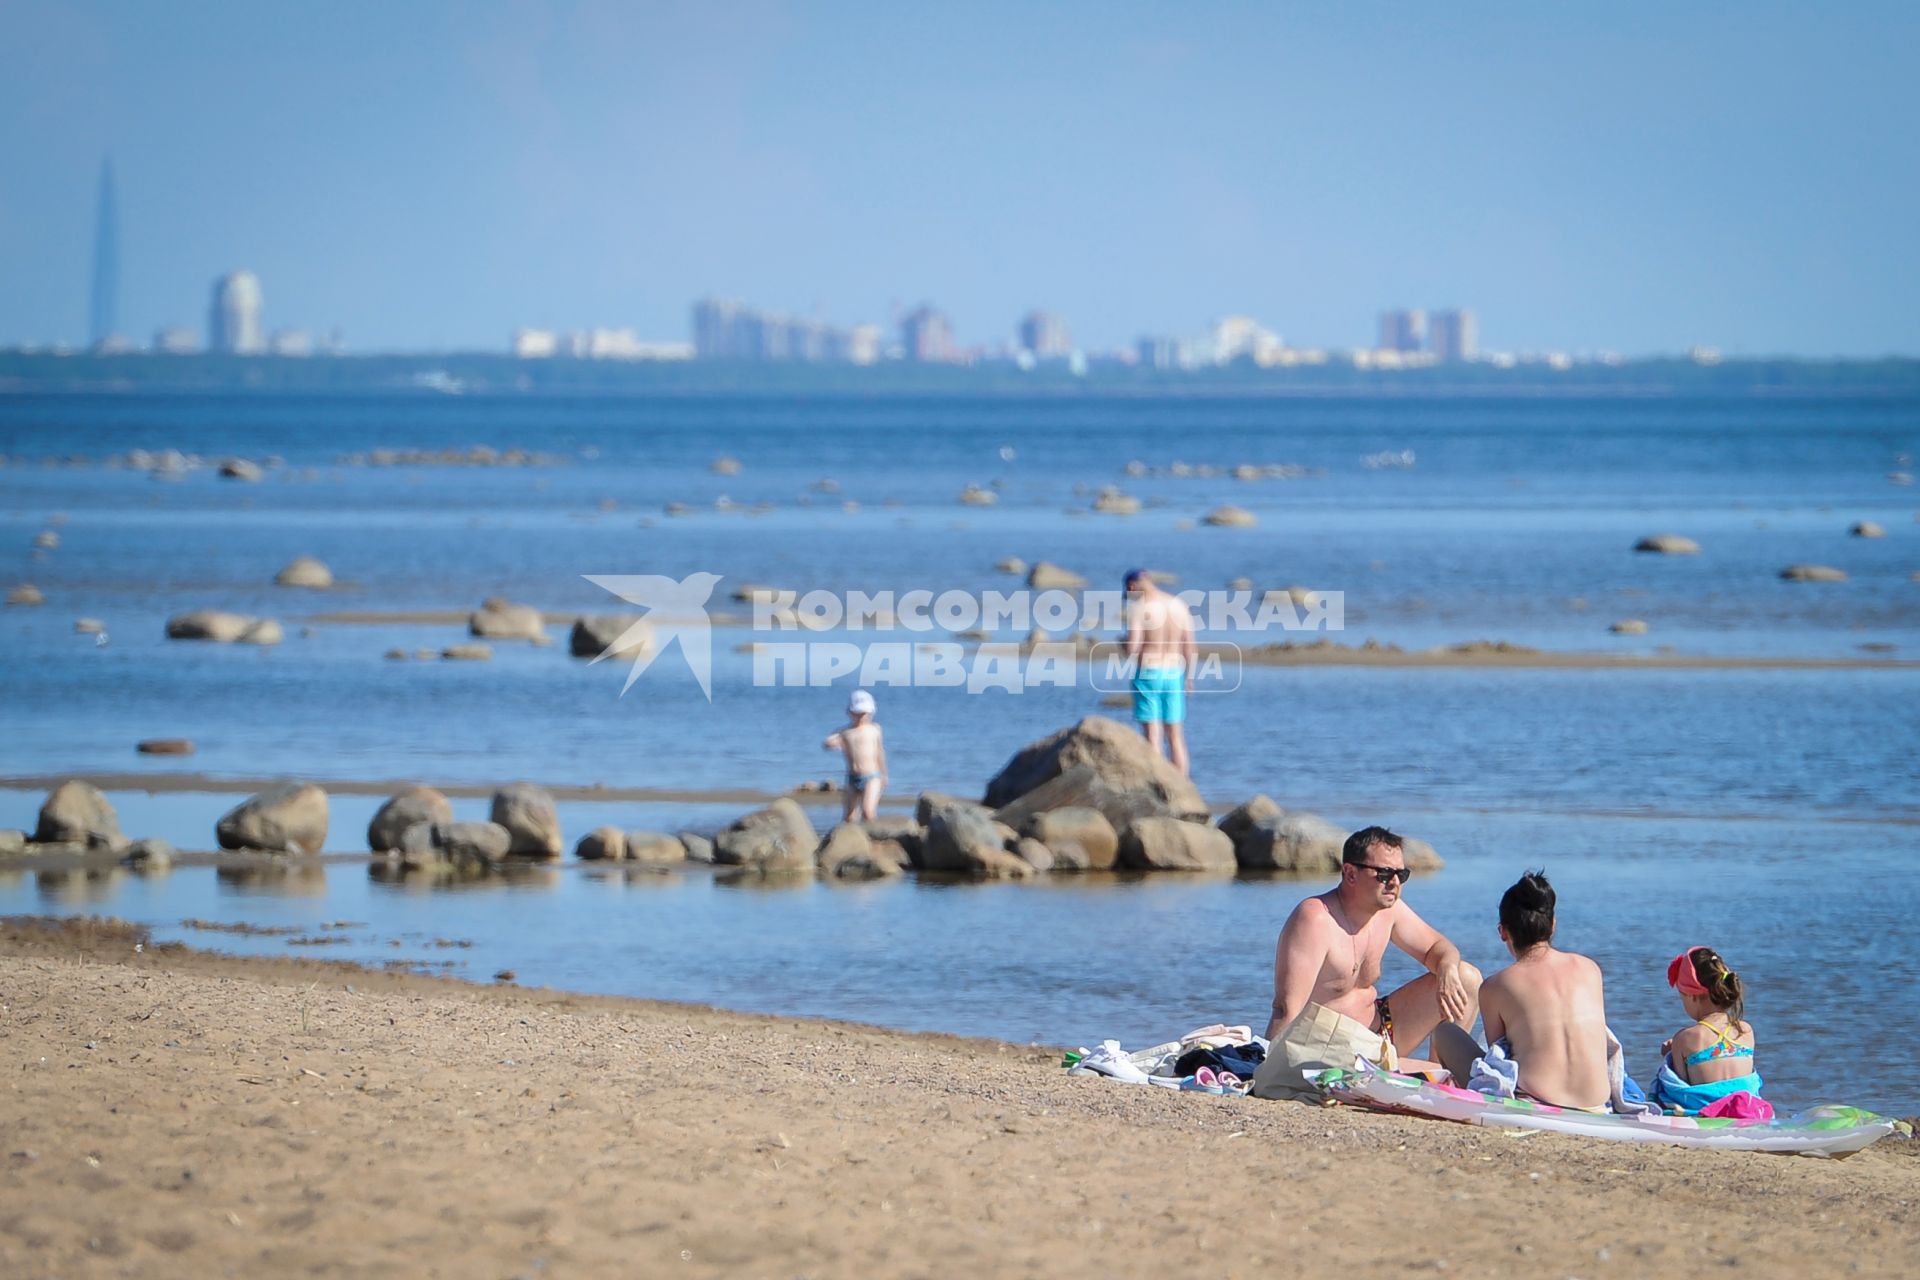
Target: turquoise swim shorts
x=1160, y=695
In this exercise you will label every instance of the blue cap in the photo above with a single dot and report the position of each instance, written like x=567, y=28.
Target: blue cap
x=1135, y=575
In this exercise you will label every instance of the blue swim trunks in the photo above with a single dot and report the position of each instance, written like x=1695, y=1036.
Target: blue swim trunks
x=1160, y=695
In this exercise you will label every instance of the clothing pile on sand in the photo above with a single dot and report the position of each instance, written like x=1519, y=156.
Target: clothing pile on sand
x=1212, y=1059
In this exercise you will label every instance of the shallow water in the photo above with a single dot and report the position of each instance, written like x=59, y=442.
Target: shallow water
x=1771, y=813
x=1072, y=960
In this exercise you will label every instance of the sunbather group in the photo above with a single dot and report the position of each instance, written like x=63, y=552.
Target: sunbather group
x=1545, y=1014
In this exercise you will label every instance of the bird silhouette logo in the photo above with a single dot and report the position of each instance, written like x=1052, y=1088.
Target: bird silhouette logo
x=676, y=611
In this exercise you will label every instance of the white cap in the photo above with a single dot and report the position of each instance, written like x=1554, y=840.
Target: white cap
x=861, y=703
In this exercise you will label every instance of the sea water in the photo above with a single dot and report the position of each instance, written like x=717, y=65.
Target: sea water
x=1769, y=812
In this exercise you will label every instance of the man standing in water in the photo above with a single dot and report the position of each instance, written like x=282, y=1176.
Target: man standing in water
x=1327, y=1009
x=1160, y=651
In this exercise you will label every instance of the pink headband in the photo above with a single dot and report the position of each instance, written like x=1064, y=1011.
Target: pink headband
x=1682, y=974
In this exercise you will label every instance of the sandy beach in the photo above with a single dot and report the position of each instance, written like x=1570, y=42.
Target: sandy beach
x=176, y=1113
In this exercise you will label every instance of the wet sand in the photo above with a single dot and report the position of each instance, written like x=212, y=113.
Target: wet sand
x=177, y=1113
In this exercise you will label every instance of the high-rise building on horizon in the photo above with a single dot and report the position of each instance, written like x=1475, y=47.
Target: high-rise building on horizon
x=926, y=336
x=1454, y=336
x=1045, y=335
x=1402, y=330
x=102, y=317
x=233, y=319
x=727, y=330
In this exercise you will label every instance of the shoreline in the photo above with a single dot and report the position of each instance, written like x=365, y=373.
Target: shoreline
x=180, y=1112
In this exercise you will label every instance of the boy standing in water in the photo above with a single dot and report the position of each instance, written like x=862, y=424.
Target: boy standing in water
x=866, y=758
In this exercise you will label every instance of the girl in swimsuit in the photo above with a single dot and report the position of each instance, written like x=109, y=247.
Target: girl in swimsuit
x=1713, y=1057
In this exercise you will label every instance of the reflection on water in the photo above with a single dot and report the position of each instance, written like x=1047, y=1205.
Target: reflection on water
x=80, y=884
x=393, y=874
x=302, y=879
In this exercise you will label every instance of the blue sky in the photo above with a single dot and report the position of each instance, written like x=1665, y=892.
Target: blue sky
x=1632, y=176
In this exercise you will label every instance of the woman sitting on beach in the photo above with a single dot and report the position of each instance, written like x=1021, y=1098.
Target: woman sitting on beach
x=1709, y=1065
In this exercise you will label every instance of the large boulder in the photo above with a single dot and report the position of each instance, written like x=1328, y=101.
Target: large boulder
x=75, y=811
x=290, y=818
x=847, y=840
x=617, y=635
x=655, y=846
x=1244, y=817
x=1169, y=844
x=602, y=844
x=472, y=842
x=964, y=839
x=527, y=812
x=696, y=847
x=1073, y=827
x=498, y=619
x=777, y=838
x=304, y=571
x=415, y=804
x=1304, y=843
x=1123, y=776
x=209, y=624
x=1034, y=854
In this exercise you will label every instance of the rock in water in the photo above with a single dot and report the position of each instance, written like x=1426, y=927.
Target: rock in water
x=1813, y=573
x=527, y=812
x=208, y=624
x=655, y=847
x=1867, y=529
x=415, y=804
x=1668, y=544
x=464, y=653
x=164, y=747
x=304, y=571
x=964, y=839
x=1118, y=758
x=74, y=811
x=598, y=634
x=1230, y=518
x=1072, y=827
x=472, y=842
x=697, y=847
x=498, y=619
x=148, y=855
x=262, y=631
x=1051, y=577
x=1242, y=819
x=1169, y=844
x=240, y=469
x=847, y=840
x=777, y=838
x=1629, y=627
x=26, y=594
x=291, y=818
x=602, y=844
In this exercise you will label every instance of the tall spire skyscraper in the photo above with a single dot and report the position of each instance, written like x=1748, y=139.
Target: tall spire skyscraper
x=106, y=261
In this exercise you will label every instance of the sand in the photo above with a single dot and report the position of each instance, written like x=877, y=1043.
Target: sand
x=176, y=1113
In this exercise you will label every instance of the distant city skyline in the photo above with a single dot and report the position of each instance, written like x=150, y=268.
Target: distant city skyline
x=594, y=167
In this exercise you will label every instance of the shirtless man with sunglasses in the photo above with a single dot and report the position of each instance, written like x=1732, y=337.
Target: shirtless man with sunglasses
x=1326, y=971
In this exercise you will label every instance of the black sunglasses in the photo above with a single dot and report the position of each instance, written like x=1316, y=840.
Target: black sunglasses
x=1385, y=875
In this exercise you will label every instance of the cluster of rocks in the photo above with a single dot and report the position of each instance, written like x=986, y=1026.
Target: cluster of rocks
x=1093, y=797
x=417, y=829
x=478, y=455
x=78, y=817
